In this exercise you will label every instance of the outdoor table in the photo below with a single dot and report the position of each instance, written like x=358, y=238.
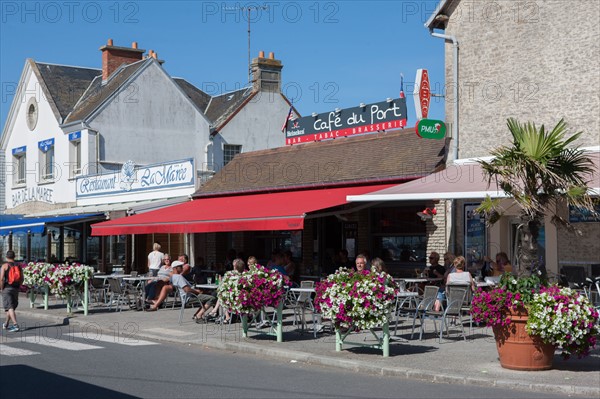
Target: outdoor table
x=207, y=286
x=484, y=284
x=311, y=278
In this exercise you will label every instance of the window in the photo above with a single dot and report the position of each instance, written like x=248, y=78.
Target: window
x=230, y=151
x=75, y=158
x=32, y=113
x=20, y=163
x=46, y=160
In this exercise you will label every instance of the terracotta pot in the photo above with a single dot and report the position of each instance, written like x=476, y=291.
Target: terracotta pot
x=520, y=351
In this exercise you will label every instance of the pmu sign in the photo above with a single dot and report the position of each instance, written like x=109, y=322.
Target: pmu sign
x=422, y=93
x=431, y=129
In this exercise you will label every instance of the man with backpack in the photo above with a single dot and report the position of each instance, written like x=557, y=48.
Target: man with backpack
x=11, y=278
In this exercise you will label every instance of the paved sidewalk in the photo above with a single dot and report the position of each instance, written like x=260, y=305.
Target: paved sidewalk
x=474, y=362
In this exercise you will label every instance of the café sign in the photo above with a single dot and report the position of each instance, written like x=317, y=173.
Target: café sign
x=363, y=119
x=132, y=178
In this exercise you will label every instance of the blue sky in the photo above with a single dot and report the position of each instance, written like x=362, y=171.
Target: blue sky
x=336, y=54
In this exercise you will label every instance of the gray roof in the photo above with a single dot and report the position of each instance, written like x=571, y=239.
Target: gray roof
x=98, y=93
x=66, y=84
x=78, y=92
x=222, y=107
x=197, y=96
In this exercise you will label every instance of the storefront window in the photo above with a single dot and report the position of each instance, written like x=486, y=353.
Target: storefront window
x=20, y=246
x=38, y=247
x=116, y=250
x=93, y=251
x=398, y=234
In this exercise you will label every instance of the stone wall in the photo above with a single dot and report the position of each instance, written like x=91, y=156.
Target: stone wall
x=535, y=61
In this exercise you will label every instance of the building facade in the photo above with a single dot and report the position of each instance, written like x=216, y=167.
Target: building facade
x=529, y=61
x=79, y=141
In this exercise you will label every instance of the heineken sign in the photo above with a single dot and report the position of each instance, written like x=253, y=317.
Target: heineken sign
x=431, y=129
x=363, y=119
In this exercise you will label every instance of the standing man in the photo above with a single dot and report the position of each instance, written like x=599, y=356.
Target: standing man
x=10, y=293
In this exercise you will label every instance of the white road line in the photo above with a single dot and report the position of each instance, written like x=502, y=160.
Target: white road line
x=121, y=340
x=168, y=331
x=10, y=351
x=60, y=344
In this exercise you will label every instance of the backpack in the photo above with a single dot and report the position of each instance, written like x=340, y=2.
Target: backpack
x=15, y=275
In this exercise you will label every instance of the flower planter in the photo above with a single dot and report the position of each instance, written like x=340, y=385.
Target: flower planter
x=518, y=350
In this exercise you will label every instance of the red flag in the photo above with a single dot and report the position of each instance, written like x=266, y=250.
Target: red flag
x=288, y=118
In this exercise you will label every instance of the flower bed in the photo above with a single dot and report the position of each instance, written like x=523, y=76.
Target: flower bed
x=251, y=290
x=60, y=279
x=360, y=299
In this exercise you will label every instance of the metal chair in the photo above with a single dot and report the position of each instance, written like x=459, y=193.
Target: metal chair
x=301, y=303
x=186, y=298
x=455, y=298
x=116, y=290
x=429, y=297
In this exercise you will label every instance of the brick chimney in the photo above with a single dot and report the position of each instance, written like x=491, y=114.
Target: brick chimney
x=266, y=73
x=113, y=57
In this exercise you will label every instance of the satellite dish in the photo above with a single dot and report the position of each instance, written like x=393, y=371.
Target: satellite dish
x=427, y=214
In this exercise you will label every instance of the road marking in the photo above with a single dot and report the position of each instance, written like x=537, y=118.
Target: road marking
x=122, y=340
x=167, y=331
x=9, y=351
x=60, y=344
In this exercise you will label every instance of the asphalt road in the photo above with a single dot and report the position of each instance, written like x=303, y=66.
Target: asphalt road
x=54, y=361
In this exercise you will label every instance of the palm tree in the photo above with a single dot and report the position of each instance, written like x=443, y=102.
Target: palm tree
x=542, y=174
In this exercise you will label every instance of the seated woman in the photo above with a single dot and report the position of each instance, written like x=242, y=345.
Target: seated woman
x=162, y=278
x=459, y=277
x=238, y=266
x=501, y=265
x=378, y=265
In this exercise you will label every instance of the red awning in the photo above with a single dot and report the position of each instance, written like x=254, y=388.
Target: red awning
x=274, y=211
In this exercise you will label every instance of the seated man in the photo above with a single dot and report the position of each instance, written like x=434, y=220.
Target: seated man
x=177, y=280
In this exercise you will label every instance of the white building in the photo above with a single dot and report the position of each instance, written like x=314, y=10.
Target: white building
x=88, y=144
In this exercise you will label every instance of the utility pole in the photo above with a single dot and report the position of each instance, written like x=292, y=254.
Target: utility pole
x=249, y=9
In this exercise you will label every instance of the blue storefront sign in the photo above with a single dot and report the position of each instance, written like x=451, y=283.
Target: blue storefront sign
x=74, y=136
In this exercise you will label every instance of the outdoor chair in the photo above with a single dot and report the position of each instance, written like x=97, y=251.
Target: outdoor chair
x=98, y=291
x=118, y=294
x=300, y=303
x=455, y=295
x=427, y=302
x=406, y=303
x=186, y=298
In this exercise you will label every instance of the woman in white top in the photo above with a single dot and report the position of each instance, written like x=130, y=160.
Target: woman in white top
x=155, y=259
x=459, y=277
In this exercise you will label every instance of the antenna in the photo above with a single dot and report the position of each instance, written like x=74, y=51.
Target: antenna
x=249, y=9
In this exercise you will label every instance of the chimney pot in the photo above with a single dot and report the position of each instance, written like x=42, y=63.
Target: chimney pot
x=271, y=55
x=110, y=42
x=261, y=54
x=134, y=45
x=155, y=55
